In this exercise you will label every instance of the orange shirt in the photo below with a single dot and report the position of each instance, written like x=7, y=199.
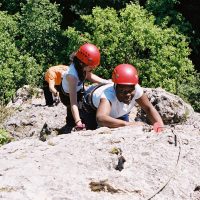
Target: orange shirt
x=54, y=74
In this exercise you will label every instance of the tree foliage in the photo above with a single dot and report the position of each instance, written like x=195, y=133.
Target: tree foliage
x=167, y=15
x=131, y=36
x=155, y=40
x=13, y=74
x=189, y=90
x=40, y=30
x=86, y=6
x=11, y=6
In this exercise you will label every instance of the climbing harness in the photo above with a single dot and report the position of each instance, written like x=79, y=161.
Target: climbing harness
x=87, y=99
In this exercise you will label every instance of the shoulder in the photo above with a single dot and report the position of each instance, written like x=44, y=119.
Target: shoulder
x=50, y=74
x=71, y=72
x=138, y=91
x=109, y=92
x=54, y=68
x=72, y=67
x=105, y=103
x=71, y=78
x=109, y=88
x=50, y=69
x=63, y=67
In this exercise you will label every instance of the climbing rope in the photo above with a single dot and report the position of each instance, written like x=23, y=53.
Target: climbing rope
x=176, y=138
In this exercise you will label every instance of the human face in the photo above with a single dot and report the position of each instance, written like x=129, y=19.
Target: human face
x=87, y=69
x=125, y=93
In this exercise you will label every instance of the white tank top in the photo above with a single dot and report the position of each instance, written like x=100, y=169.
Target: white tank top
x=71, y=71
x=118, y=108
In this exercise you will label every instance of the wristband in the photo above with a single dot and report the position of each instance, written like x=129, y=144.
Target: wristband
x=77, y=121
x=55, y=94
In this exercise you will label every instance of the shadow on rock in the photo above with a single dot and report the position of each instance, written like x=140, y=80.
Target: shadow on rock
x=44, y=132
x=64, y=130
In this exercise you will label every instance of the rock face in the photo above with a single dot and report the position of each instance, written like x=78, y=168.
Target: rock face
x=31, y=113
x=171, y=107
x=83, y=165
x=123, y=164
x=31, y=116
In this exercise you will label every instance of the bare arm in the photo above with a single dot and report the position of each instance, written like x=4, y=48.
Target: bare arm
x=95, y=79
x=52, y=88
x=103, y=118
x=73, y=97
x=147, y=106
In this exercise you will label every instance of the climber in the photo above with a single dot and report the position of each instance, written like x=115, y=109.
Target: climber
x=86, y=59
x=110, y=104
x=52, y=81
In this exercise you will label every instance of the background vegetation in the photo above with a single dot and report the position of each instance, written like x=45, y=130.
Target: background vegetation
x=4, y=137
x=153, y=36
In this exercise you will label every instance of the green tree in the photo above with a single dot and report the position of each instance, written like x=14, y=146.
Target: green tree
x=86, y=6
x=167, y=15
x=11, y=6
x=15, y=69
x=189, y=90
x=131, y=36
x=8, y=24
x=40, y=31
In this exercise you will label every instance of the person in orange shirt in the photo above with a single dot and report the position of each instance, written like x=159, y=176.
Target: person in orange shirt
x=52, y=81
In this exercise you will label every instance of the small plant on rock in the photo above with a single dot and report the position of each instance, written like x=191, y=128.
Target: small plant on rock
x=4, y=112
x=4, y=137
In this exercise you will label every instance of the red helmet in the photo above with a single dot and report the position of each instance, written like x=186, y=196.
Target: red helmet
x=125, y=74
x=89, y=54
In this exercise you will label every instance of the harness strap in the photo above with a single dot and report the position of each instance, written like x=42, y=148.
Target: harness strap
x=88, y=97
x=61, y=87
x=67, y=94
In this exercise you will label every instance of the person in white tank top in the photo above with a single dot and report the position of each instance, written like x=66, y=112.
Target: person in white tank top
x=109, y=105
x=84, y=61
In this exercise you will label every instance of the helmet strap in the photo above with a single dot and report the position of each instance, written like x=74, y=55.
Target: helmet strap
x=115, y=87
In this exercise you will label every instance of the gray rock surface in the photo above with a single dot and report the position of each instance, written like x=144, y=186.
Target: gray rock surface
x=171, y=107
x=64, y=167
x=123, y=164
